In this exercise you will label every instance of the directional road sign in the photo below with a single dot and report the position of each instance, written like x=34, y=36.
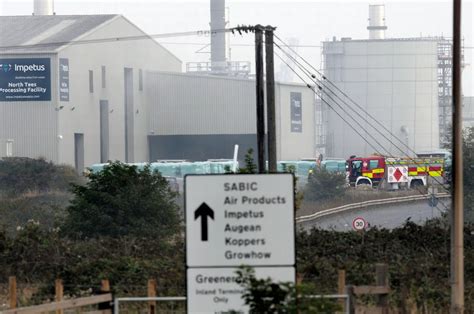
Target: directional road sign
x=239, y=219
x=234, y=220
x=215, y=290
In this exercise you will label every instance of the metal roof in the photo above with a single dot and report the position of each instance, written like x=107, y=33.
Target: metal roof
x=46, y=33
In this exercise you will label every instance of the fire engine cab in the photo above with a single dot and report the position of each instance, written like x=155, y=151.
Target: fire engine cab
x=371, y=171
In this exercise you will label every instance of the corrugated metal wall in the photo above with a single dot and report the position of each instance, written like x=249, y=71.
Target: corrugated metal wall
x=212, y=112
x=184, y=104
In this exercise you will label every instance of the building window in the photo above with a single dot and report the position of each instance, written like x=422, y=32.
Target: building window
x=91, y=81
x=103, y=76
x=140, y=80
x=9, y=152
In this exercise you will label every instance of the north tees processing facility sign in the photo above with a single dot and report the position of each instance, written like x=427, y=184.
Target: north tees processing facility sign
x=26, y=79
x=234, y=220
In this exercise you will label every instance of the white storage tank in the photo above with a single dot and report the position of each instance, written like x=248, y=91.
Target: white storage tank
x=396, y=82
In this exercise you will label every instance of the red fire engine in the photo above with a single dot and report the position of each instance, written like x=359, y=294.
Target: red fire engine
x=371, y=171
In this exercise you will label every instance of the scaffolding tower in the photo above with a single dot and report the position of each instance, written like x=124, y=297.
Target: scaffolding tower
x=445, y=87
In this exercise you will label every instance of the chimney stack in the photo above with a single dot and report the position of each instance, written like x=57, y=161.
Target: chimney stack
x=218, y=35
x=377, y=21
x=43, y=7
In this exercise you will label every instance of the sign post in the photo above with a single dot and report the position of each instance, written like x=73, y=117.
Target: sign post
x=235, y=220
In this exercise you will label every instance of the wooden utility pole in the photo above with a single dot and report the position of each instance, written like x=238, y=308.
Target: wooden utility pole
x=260, y=97
x=270, y=81
x=457, y=221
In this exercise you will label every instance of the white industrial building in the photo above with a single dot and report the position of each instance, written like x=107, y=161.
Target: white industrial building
x=86, y=89
x=93, y=106
x=395, y=80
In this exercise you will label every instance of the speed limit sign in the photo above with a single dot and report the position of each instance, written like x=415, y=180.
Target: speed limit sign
x=359, y=223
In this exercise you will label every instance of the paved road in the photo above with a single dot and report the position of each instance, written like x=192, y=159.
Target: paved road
x=387, y=216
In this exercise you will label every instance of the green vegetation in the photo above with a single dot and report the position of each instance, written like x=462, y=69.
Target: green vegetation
x=120, y=201
x=265, y=296
x=20, y=175
x=324, y=185
x=33, y=189
x=100, y=236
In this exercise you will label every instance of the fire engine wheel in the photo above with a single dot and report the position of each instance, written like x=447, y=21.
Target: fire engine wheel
x=364, y=185
x=416, y=183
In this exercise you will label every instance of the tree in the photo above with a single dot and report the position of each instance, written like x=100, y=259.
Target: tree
x=323, y=185
x=122, y=200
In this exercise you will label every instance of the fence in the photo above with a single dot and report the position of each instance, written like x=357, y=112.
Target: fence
x=346, y=294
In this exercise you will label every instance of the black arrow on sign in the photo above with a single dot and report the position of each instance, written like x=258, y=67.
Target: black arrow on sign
x=203, y=211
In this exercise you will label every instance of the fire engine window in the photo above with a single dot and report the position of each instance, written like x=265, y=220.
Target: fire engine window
x=373, y=164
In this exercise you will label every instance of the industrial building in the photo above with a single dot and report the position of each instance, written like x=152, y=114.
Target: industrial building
x=403, y=83
x=85, y=89
x=87, y=106
x=200, y=117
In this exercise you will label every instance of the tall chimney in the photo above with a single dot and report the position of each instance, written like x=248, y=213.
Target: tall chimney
x=217, y=35
x=43, y=7
x=377, y=21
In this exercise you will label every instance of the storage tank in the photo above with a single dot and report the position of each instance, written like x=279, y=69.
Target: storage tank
x=396, y=82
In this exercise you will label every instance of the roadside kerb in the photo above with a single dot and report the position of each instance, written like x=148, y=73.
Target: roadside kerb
x=349, y=207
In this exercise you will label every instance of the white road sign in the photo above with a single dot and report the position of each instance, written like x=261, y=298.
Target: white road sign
x=239, y=219
x=215, y=290
x=359, y=223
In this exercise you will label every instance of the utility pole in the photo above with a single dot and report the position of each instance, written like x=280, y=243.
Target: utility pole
x=260, y=97
x=270, y=81
x=457, y=221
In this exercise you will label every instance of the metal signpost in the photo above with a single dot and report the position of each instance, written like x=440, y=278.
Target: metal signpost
x=234, y=220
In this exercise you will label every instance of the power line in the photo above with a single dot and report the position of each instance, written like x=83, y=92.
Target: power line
x=122, y=38
x=324, y=79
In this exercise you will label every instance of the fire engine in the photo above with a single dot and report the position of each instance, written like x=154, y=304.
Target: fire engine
x=397, y=172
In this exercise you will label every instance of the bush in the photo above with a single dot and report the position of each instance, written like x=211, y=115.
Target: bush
x=121, y=201
x=19, y=175
x=324, y=185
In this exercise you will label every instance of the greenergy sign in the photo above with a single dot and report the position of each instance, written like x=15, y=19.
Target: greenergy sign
x=25, y=79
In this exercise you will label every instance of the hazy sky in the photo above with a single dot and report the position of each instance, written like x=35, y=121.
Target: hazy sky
x=310, y=22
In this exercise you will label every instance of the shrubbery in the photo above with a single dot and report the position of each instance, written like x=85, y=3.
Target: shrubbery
x=122, y=200
x=324, y=185
x=19, y=175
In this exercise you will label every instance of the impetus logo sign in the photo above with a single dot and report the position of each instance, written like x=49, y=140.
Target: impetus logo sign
x=25, y=79
x=6, y=67
x=30, y=68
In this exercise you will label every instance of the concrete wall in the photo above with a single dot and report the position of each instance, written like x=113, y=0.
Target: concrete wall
x=396, y=82
x=32, y=125
x=81, y=113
